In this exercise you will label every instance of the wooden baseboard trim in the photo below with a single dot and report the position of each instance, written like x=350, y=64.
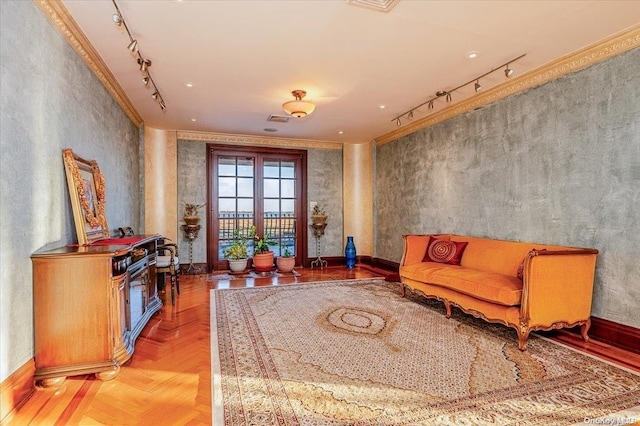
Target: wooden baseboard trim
x=16, y=389
x=619, y=335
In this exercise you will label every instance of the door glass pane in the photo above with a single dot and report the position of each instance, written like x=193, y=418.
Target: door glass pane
x=227, y=187
x=245, y=167
x=271, y=168
x=245, y=187
x=288, y=208
x=227, y=166
x=288, y=169
x=271, y=188
x=271, y=208
x=288, y=189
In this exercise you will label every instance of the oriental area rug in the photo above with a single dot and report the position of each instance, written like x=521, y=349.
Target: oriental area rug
x=357, y=353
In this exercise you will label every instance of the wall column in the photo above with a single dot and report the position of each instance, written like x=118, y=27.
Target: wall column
x=358, y=196
x=161, y=182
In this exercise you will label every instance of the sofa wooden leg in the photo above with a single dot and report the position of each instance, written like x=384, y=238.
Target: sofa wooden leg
x=447, y=306
x=523, y=336
x=584, y=329
x=403, y=290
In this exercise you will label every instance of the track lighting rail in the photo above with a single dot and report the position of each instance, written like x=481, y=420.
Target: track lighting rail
x=508, y=72
x=143, y=62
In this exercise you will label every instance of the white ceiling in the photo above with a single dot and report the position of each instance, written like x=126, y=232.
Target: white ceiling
x=244, y=57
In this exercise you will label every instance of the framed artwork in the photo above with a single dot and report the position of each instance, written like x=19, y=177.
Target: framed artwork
x=87, y=192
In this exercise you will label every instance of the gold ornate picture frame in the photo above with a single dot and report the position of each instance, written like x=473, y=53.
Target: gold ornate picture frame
x=87, y=192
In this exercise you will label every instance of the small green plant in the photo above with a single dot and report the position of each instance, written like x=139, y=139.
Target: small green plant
x=192, y=209
x=318, y=210
x=261, y=244
x=286, y=252
x=238, y=249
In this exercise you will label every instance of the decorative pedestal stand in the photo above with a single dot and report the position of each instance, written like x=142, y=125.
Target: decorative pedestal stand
x=191, y=233
x=318, y=231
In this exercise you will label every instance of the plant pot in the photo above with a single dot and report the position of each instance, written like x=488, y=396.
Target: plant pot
x=285, y=264
x=319, y=219
x=191, y=220
x=237, y=265
x=263, y=262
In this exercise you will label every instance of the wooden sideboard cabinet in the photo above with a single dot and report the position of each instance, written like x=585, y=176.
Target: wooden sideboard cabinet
x=90, y=305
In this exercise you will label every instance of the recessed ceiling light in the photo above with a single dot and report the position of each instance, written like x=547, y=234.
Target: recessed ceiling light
x=340, y=132
x=382, y=106
x=473, y=55
x=189, y=84
x=193, y=119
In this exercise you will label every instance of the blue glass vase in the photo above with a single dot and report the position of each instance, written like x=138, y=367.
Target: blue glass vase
x=350, y=253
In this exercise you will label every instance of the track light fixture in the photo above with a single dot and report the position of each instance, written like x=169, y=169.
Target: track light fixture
x=508, y=72
x=143, y=62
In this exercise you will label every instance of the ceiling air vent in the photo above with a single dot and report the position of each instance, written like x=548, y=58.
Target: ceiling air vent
x=379, y=5
x=278, y=118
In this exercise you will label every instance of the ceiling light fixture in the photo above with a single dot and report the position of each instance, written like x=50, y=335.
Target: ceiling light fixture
x=144, y=64
x=508, y=72
x=298, y=107
x=141, y=60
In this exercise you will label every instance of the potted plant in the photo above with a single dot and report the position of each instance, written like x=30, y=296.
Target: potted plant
x=262, y=254
x=191, y=213
x=286, y=262
x=236, y=253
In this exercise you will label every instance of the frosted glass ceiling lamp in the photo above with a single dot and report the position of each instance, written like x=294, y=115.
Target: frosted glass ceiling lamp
x=298, y=108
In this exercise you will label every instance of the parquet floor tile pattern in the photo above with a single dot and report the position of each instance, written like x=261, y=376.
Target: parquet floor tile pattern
x=168, y=379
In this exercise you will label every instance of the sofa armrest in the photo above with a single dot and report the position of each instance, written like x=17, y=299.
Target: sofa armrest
x=557, y=286
x=415, y=246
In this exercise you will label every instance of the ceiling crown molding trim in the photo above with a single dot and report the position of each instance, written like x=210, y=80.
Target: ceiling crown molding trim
x=58, y=15
x=581, y=59
x=236, y=139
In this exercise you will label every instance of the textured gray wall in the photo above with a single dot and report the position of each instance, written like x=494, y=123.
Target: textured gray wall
x=324, y=171
x=558, y=164
x=324, y=183
x=192, y=188
x=50, y=100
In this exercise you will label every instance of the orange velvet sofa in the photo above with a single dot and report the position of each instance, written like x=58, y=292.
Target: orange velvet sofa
x=554, y=289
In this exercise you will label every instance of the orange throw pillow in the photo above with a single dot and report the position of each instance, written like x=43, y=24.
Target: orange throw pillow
x=442, y=251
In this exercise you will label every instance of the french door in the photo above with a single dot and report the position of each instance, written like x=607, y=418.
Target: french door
x=261, y=187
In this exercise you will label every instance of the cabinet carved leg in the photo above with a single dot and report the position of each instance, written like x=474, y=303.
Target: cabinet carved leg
x=105, y=376
x=53, y=382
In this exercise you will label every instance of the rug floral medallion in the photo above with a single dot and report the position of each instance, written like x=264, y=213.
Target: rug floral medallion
x=357, y=353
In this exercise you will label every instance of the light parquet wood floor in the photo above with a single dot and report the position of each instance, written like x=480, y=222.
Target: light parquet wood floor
x=168, y=379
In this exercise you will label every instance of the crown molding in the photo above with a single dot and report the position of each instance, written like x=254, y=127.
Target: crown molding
x=581, y=59
x=237, y=139
x=58, y=15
